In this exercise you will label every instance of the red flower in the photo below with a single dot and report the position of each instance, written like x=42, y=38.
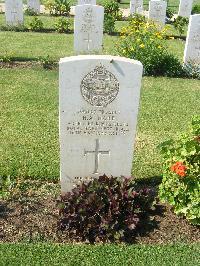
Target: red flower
x=179, y=168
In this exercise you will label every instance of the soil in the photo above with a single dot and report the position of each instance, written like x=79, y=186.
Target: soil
x=31, y=214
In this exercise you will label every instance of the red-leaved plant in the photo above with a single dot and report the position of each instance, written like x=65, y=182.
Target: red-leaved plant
x=106, y=209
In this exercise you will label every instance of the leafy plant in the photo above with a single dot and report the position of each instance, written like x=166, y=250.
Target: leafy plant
x=143, y=41
x=180, y=186
x=6, y=185
x=112, y=8
x=196, y=9
x=192, y=70
x=30, y=12
x=169, y=13
x=104, y=209
x=62, y=25
x=109, y=24
x=180, y=23
x=6, y=58
x=46, y=62
x=58, y=7
x=36, y=24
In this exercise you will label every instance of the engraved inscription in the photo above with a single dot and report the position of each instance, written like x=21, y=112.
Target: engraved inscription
x=97, y=123
x=99, y=87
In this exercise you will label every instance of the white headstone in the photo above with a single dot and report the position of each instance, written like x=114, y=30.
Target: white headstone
x=157, y=11
x=14, y=12
x=185, y=8
x=88, y=28
x=86, y=2
x=99, y=101
x=136, y=6
x=192, y=47
x=34, y=5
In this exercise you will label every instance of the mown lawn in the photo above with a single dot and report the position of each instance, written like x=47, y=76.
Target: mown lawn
x=100, y=255
x=29, y=100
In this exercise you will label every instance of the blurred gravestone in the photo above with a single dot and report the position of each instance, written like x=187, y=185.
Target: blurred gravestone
x=185, y=8
x=14, y=12
x=88, y=28
x=136, y=6
x=192, y=47
x=34, y=5
x=86, y=2
x=157, y=11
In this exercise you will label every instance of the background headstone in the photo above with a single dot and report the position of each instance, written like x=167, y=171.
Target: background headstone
x=14, y=12
x=34, y=5
x=99, y=101
x=88, y=28
x=185, y=8
x=192, y=47
x=157, y=11
x=136, y=6
x=86, y=2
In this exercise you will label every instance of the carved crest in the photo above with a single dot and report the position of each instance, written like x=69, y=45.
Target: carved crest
x=99, y=87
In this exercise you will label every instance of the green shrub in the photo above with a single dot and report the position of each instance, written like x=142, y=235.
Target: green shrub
x=111, y=8
x=62, y=25
x=58, y=7
x=109, y=24
x=180, y=186
x=192, y=70
x=196, y=9
x=46, y=62
x=104, y=210
x=142, y=40
x=169, y=13
x=180, y=23
x=30, y=12
x=36, y=24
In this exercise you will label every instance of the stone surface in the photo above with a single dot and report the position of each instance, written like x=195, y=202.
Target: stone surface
x=99, y=101
x=157, y=11
x=136, y=6
x=88, y=28
x=34, y=5
x=86, y=2
x=14, y=12
x=185, y=8
x=192, y=47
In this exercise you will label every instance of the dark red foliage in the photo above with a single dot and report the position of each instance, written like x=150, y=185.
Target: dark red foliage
x=104, y=210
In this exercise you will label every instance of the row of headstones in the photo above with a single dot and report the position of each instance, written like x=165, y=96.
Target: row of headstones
x=157, y=9
x=88, y=31
x=88, y=24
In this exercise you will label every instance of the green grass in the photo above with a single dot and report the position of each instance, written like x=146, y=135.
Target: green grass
x=29, y=100
x=31, y=45
x=80, y=255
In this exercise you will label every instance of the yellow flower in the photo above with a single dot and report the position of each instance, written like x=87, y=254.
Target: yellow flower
x=142, y=45
x=159, y=47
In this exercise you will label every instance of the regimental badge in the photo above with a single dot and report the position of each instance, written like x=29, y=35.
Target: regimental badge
x=99, y=87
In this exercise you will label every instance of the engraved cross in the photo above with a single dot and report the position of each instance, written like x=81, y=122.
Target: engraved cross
x=88, y=41
x=14, y=13
x=96, y=153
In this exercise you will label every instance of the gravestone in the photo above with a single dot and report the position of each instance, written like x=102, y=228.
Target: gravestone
x=99, y=101
x=157, y=11
x=192, y=47
x=88, y=28
x=14, y=12
x=136, y=6
x=34, y=5
x=185, y=8
x=86, y=2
